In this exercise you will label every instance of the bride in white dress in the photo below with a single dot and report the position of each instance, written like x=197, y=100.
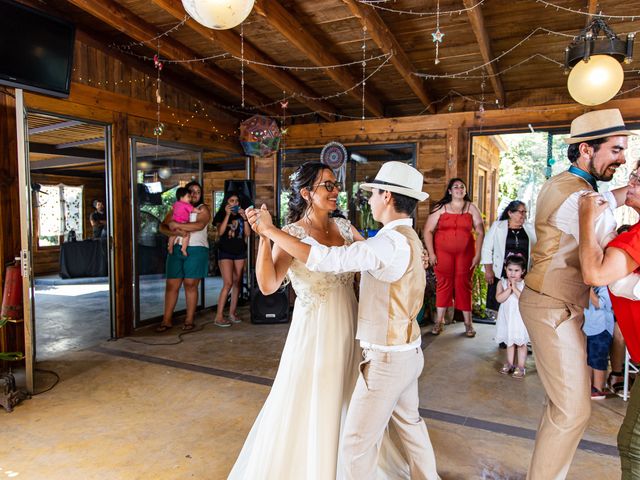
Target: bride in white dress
x=297, y=433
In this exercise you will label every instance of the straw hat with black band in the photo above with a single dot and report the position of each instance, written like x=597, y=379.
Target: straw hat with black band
x=597, y=124
x=399, y=178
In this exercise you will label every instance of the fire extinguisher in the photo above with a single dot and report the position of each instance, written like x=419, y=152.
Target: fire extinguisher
x=12, y=297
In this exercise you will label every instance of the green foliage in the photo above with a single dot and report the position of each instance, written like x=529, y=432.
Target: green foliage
x=479, y=293
x=523, y=167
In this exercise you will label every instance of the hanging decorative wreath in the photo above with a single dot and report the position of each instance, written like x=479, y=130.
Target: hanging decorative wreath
x=334, y=155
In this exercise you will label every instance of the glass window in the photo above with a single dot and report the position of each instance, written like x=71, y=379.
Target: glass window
x=59, y=212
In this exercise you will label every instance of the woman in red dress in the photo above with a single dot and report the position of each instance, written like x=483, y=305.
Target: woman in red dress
x=619, y=267
x=453, y=251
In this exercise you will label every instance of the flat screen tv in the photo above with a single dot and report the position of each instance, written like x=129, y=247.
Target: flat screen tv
x=36, y=50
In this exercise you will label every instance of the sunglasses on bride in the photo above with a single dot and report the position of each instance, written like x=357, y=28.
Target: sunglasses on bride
x=329, y=185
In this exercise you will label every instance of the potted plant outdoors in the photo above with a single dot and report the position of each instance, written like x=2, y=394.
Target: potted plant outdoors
x=368, y=226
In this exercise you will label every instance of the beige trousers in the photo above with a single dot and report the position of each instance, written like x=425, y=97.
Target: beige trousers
x=387, y=392
x=559, y=346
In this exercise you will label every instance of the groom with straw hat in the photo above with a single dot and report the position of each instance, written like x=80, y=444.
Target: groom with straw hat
x=391, y=294
x=555, y=295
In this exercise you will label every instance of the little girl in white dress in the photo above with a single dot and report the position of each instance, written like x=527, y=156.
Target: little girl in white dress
x=511, y=328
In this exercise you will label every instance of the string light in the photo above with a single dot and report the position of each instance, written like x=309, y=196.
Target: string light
x=376, y=4
x=242, y=60
x=364, y=71
x=580, y=12
x=154, y=39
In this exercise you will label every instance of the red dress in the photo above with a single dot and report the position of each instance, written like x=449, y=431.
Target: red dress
x=627, y=311
x=454, y=247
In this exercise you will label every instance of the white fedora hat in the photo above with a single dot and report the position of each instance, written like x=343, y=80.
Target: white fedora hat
x=597, y=124
x=399, y=178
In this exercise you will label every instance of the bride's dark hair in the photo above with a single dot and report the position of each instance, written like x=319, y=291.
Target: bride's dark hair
x=304, y=177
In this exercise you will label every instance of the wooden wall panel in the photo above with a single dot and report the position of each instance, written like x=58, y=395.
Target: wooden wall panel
x=121, y=229
x=12, y=334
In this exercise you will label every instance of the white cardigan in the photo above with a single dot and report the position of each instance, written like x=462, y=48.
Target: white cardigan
x=495, y=240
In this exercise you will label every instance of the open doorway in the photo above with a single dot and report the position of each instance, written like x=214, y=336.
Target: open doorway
x=68, y=170
x=515, y=165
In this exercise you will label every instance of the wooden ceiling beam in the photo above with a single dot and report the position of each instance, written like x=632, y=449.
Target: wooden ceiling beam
x=387, y=42
x=230, y=41
x=123, y=20
x=477, y=24
x=294, y=31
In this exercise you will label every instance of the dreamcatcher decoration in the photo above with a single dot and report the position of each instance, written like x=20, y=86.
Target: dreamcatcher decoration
x=334, y=155
x=260, y=136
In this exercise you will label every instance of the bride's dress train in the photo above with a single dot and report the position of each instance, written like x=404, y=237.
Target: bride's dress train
x=297, y=433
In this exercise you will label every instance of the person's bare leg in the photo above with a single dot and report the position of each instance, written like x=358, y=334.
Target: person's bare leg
x=599, y=379
x=185, y=244
x=191, y=297
x=171, y=291
x=226, y=270
x=511, y=354
x=238, y=268
x=468, y=324
x=522, y=355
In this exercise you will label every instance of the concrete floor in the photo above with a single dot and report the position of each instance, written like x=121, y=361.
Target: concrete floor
x=73, y=314
x=177, y=406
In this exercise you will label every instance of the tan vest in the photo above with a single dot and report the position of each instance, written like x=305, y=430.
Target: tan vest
x=556, y=268
x=387, y=311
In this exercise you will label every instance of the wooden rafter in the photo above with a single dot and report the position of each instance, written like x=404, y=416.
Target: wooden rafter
x=230, y=42
x=592, y=6
x=387, y=42
x=477, y=24
x=293, y=30
x=126, y=22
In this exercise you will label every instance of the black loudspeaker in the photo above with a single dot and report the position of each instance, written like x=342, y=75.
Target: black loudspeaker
x=246, y=189
x=272, y=308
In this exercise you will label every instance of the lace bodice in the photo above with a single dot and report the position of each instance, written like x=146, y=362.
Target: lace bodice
x=312, y=287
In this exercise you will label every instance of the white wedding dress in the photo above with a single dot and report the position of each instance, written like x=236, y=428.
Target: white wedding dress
x=297, y=433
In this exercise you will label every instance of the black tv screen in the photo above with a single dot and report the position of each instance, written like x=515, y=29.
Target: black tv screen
x=36, y=50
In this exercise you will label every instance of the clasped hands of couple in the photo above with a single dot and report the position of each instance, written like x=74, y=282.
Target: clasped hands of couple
x=259, y=219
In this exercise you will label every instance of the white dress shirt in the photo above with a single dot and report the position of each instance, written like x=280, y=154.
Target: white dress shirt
x=385, y=256
x=566, y=218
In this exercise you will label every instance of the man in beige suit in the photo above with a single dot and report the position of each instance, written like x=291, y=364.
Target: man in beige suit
x=391, y=294
x=555, y=295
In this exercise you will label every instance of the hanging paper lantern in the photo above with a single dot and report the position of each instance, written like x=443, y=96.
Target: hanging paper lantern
x=164, y=173
x=218, y=14
x=260, y=136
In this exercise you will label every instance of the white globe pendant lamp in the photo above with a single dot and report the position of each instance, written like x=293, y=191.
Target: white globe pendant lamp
x=593, y=62
x=218, y=14
x=596, y=81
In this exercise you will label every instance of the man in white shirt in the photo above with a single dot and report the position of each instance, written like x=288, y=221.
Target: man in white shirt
x=555, y=295
x=391, y=295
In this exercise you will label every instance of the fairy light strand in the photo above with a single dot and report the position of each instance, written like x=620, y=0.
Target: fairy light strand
x=377, y=4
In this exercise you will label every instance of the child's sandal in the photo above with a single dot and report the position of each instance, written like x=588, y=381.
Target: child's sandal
x=518, y=373
x=506, y=369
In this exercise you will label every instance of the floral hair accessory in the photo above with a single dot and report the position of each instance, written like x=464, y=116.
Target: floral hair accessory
x=294, y=176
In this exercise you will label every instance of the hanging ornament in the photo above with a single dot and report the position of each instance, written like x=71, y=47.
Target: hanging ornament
x=242, y=62
x=483, y=84
x=438, y=36
x=218, y=14
x=334, y=155
x=156, y=62
x=260, y=136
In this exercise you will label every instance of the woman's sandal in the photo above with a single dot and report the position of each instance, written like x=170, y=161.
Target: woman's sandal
x=188, y=326
x=469, y=331
x=222, y=324
x=437, y=329
x=163, y=328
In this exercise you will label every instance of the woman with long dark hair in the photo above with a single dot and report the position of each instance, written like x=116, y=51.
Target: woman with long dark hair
x=509, y=235
x=297, y=433
x=233, y=229
x=454, y=253
x=186, y=270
